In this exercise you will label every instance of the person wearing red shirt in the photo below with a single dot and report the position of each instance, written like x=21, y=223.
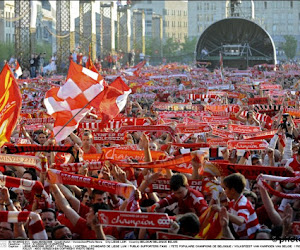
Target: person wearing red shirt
x=241, y=212
x=87, y=140
x=189, y=200
x=87, y=229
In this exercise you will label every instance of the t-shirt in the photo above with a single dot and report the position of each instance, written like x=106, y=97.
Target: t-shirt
x=84, y=232
x=295, y=164
x=243, y=207
x=193, y=202
x=92, y=150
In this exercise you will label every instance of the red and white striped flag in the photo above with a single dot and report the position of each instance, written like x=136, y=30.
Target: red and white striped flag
x=112, y=100
x=18, y=70
x=72, y=101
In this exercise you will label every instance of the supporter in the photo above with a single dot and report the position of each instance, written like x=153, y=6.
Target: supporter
x=241, y=211
x=189, y=200
x=61, y=232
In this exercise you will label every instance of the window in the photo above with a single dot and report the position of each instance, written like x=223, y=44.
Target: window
x=148, y=23
x=148, y=11
x=164, y=12
x=13, y=38
x=291, y=4
x=179, y=24
x=299, y=16
x=266, y=5
x=45, y=33
x=179, y=13
x=149, y=1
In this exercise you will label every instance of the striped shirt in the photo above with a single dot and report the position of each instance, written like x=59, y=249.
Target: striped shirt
x=243, y=208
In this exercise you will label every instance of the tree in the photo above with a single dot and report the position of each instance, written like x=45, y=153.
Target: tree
x=290, y=47
x=189, y=45
x=6, y=51
x=170, y=49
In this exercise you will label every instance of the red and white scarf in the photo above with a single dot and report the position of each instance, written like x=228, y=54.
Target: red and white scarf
x=36, y=226
x=282, y=180
x=28, y=185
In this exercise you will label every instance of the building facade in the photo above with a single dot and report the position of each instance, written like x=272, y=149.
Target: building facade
x=278, y=18
x=7, y=10
x=174, y=15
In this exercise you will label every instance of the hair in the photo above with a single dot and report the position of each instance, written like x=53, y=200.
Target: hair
x=38, y=132
x=96, y=191
x=98, y=206
x=251, y=194
x=83, y=191
x=189, y=224
x=88, y=133
x=177, y=181
x=45, y=210
x=33, y=174
x=236, y=181
x=55, y=229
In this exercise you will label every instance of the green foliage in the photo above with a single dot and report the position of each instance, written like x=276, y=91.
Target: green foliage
x=189, y=45
x=44, y=47
x=290, y=47
x=6, y=51
x=170, y=47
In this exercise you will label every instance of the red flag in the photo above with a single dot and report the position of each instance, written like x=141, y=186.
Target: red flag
x=89, y=64
x=73, y=98
x=18, y=70
x=112, y=100
x=136, y=70
x=10, y=104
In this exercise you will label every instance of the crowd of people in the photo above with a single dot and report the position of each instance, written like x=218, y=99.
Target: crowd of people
x=188, y=113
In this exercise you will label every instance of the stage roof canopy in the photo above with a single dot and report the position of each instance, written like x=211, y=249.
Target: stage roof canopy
x=242, y=42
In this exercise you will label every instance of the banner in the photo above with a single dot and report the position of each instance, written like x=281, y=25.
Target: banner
x=216, y=119
x=102, y=137
x=122, y=189
x=30, y=121
x=134, y=220
x=123, y=154
x=292, y=111
x=172, y=106
x=168, y=114
x=215, y=168
x=180, y=163
x=243, y=129
x=223, y=133
x=247, y=145
x=148, y=128
x=163, y=185
x=217, y=142
x=258, y=100
x=21, y=160
x=191, y=145
x=12, y=149
x=260, y=135
x=170, y=236
x=74, y=167
x=193, y=128
x=270, y=86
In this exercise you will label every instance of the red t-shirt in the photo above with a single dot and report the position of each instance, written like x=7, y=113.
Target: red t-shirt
x=295, y=164
x=84, y=232
x=92, y=150
x=193, y=202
